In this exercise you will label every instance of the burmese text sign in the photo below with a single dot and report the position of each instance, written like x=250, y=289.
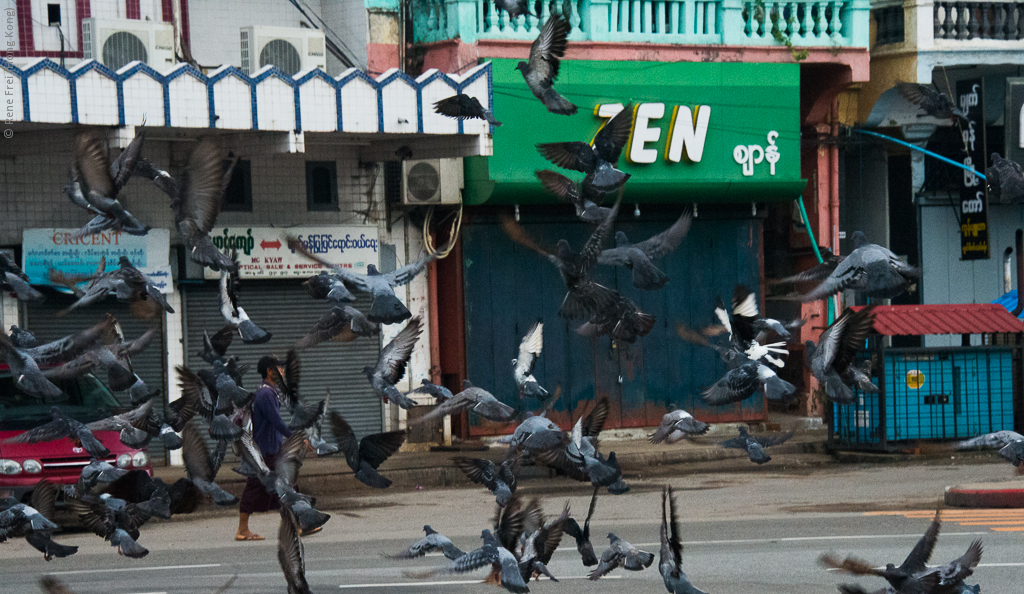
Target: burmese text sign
x=973, y=196
x=263, y=251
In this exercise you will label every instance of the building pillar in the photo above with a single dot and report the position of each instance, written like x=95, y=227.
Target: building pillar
x=384, y=44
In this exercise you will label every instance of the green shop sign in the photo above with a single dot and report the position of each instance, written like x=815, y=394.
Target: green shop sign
x=702, y=132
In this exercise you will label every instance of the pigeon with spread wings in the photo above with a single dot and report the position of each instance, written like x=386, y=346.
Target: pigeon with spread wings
x=931, y=101
x=14, y=280
x=597, y=161
x=95, y=184
x=127, y=282
x=541, y=70
x=499, y=479
x=584, y=197
x=60, y=427
x=582, y=535
x=473, y=399
x=391, y=365
x=462, y=107
x=522, y=366
x=754, y=445
x=832, y=359
x=365, y=456
x=232, y=312
x=671, y=562
x=870, y=270
x=433, y=541
x=340, y=324
x=637, y=256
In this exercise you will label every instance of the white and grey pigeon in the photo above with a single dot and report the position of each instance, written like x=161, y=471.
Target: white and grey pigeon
x=678, y=425
x=499, y=479
x=751, y=329
x=996, y=440
x=670, y=563
x=232, y=312
x=754, y=445
x=584, y=197
x=621, y=554
x=522, y=366
x=541, y=70
x=473, y=399
x=391, y=365
x=14, y=280
x=637, y=256
x=20, y=520
x=462, y=106
x=832, y=359
x=597, y=161
x=870, y=270
x=433, y=541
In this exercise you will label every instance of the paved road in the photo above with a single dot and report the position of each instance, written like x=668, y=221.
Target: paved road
x=743, y=532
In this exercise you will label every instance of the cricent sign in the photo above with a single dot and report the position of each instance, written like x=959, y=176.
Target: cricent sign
x=702, y=132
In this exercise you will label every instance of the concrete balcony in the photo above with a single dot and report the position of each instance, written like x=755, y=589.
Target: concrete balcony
x=953, y=32
x=804, y=23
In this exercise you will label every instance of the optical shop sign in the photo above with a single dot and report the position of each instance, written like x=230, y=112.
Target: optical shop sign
x=43, y=249
x=263, y=251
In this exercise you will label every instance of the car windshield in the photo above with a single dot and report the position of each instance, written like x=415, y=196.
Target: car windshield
x=88, y=400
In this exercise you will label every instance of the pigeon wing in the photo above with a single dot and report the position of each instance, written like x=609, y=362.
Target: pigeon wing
x=770, y=440
x=592, y=249
x=546, y=49
x=203, y=185
x=481, y=472
x=195, y=455
x=376, y=448
x=344, y=435
x=614, y=134
x=530, y=348
x=395, y=356
x=593, y=423
x=559, y=185
x=860, y=326
x=408, y=272
x=55, y=429
x=664, y=243
x=93, y=163
x=290, y=554
x=918, y=558
x=574, y=155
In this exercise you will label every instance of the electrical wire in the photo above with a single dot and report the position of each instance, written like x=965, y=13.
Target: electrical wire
x=453, y=233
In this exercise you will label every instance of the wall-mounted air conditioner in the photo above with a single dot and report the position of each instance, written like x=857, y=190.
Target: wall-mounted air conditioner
x=291, y=49
x=116, y=42
x=432, y=181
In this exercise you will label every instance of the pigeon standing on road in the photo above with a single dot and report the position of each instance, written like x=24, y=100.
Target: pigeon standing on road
x=365, y=456
x=870, y=270
x=671, y=562
x=522, y=366
x=462, y=107
x=832, y=359
x=14, y=280
x=582, y=195
x=754, y=445
x=1005, y=180
x=621, y=554
x=597, y=161
x=542, y=69
x=637, y=256
x=678, y=425
x=391, y=365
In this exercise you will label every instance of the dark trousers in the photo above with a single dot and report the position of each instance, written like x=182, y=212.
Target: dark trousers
x=255, y=497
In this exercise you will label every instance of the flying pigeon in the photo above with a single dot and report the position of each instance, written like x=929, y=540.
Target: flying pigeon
x=131, y=425
x=542, y=69
x=472, y=399
x=290, y=553
x=537, y=547
x=365, y=456
x=754, y=445
x=748, y=326
x=670, y=563
x=515, y=8
x=494, y=554
x=579, y=458
x=621, y=318
x=233, y=313
x=115, y=359
x=439, y=393
x=1013, y=453
x=428, y=544
x=200, y=467
x=678, y=425
x=997, y=440
x=26, y=372
x=72, y=345
x=23, y=339
x=316, y=440
x=582, y=195
x=60, y=427
x=1005, y=180
x=582, y=536
x=621, y=554
x=597, y=161
x=119, y=527
x=869, y=269
x=930, y=100
x=340, y=324
x=637, y=256
x=499, y=479
x=330, y=287
x=463, y=107
x=196, y=199
x=522, y=366
x=14, y=280
x=213, y=405
x=391, y=365
x=816, y=273
x=832, y=359
x=127, y=283
x=32, y=523
x=94, y=188
x=386, y=308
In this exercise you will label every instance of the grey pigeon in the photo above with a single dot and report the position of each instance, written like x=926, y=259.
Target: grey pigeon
x=542, y=69
x=60, y=427
x=439, y=393
x=196, y=200
x=316, y=440
x=522, y=366
x=1005, y=180
x=365, y=456
x=499, y=479
x=212, y=404
x=1013, y=453
x=127, y=283
x=93, y=188
x=621, y=554
x=23, y=339
x=473, y=399
x=391, y=365
x=463, y=106
x=131, y=425
x=743, y=380
x=281, y=480
x=115, y=359
x=303, y=417
x=200, y=467
x=670, y=563
x=290, y=554
x=494, y=554
x=538, y=425
x=536, y=547
x=14, y=280
x=579, y=458
x=340, y=324
x=67, y=348
x=232, y=312
x=678, y=425
x=20, y=520
x=216, y=347
x=97, y=474
x=119, y=527
x=931, y=101
x=754, y=445
x=996, y=440
x=515, y=8
x=953, y=574
x=386, y=308
x=428, y=544
x=831, y=359
x=870, y=270
x=328, y=286
x=816, y=273
x=26, y=372
x=621, y=318
x=637, y=256
x=582, y=535
x=597, y=161
x=582, y=195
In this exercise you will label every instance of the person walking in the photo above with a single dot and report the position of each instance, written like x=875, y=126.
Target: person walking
x=269, y=432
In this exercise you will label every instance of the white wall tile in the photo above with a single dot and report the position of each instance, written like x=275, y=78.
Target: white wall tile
x=233, y=103
x=275, y=104
x=97, y=99
x=358, y=106
x=50, y=97
x=318, y=103
x=189, y=103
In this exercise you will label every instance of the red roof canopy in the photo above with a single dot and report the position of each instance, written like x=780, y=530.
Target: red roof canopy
x=958, y=318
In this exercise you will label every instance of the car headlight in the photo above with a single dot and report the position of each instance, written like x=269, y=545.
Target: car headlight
x=32, y=466
x=124, y=460
x=139, y=459
x=9, y=467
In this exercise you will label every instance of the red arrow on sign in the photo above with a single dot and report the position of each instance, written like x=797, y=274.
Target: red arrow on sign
x=276, y=244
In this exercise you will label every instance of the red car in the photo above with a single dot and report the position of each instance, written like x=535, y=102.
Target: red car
x=22, y=465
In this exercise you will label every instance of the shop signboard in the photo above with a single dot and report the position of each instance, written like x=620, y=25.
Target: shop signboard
x=43, y=249
x=973, y=192
x=702, y=132
x=263, y=251
x=1014, y=120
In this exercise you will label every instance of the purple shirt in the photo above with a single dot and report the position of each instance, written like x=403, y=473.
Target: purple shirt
x=268, y=429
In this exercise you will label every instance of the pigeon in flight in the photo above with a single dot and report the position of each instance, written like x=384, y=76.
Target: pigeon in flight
x=931, y=101
x=196, y=200
x=832, y=359
x=869, y=269
x=499, y=479
x=472, y=399
x=428, y=544
x=462, y=107
x=327, y=286
x=132, y=425
x=622, y=319
x=582, y=536
x=542, y=69
x=118, y=525
x=621, y=554
x=817, y=273
x=748, y=326
x=391, y=365
x=26, y=372
x=340, y=324
x=754, y=445
x=14, y=280
x=670, y=563
x=386, y=308
x=115, y=359
x=72, y=345
x=522, y=366
x=233, y=313
x=290, y=554
x=637, y=256
x=597, y=161
x=1013, y=453
x=32, y=523
x=492, y=553
x=514, y=8
x=1005, y=180
x=23, y=339
x=440, y=393
x=365, y=456
x=678, y=425
x=214, y=406
x=580, y=460
x=94, y=188
x=59, y=428
x=537, y=547
x=200, y=466
x=582, y=195
x=127, y=283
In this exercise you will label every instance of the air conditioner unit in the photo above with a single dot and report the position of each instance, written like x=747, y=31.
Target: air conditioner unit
x=116, y=42
x=432, y=181
x=291, y=49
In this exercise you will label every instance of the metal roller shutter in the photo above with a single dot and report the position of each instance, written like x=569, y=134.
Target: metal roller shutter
x=284, y=309
x=41, y=319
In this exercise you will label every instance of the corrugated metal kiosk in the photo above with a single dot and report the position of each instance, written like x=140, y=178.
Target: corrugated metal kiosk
x=939, y=392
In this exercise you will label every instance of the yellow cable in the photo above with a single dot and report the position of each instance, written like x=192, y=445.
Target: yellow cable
x=428, y=243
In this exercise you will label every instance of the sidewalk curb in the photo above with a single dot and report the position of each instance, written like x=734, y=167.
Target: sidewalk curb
x=981, y=496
